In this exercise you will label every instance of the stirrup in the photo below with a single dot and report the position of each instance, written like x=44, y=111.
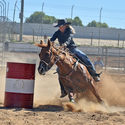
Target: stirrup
x=96, y=78
x=72, y=100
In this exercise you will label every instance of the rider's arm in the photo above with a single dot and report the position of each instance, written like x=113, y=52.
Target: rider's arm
x=53, y=38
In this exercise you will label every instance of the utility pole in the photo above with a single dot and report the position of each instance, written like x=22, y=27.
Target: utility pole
x=100, y=15
x=42, y=20
x=14, y=11
x=14, y=19
x=42, y=10
x=21, y=20
x=7, y=11
x=72, y=11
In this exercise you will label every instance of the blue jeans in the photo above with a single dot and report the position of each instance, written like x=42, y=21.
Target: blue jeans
x=84, y=59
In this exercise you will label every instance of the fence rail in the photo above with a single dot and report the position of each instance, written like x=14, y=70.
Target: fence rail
x=113, y=58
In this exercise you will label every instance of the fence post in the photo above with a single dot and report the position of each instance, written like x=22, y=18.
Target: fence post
x=91, y=38
x=33, y=35
x=106, y=57
x=102, y=54
x=119, y=60
x=118, y=39
x=123, y=44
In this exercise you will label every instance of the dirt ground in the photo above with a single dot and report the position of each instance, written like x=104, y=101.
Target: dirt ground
x=49, y=109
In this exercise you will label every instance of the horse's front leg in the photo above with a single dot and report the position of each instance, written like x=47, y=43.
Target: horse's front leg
x=70, y=95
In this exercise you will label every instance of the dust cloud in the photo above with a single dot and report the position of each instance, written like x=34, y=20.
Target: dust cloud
x=111, y=92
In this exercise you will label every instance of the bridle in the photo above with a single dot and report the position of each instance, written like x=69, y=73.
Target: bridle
x=48, y=65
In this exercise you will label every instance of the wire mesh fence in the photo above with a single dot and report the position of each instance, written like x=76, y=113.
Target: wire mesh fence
x=5, y=35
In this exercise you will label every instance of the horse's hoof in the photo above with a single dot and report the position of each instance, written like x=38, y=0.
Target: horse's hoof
x=72, y=100
x=101, y=102
x=63, y=94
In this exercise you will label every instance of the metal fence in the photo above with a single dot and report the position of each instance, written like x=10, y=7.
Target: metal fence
x=113, y=58
x=5, y=28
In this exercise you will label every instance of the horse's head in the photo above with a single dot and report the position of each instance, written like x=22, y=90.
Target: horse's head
x=46, y=57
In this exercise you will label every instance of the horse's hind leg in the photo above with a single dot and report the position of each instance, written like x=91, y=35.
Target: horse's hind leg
x=70, y=95
x=93, y=90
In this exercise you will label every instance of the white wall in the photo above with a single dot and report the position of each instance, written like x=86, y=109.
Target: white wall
x=22, y=47
x=81, y=32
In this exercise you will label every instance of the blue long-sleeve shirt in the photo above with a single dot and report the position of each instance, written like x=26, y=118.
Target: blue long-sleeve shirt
x=65, y=37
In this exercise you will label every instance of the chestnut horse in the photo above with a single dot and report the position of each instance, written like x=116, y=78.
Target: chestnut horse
x=73, y=75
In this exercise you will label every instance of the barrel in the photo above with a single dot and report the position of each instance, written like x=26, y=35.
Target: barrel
x=19, y=88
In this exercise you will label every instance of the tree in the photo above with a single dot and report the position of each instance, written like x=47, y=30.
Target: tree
x=40, y=17
x=92, y=24
x=104, y=25
x=76, y=21
x=97, y=24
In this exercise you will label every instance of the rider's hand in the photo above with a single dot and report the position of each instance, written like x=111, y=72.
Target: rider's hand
x=65, y=45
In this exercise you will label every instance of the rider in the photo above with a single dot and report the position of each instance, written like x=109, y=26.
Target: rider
x=65, y=37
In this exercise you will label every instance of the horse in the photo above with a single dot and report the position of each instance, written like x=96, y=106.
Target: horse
x=73, y=75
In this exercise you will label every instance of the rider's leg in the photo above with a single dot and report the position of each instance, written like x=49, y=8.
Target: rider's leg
x=63, y=92
x=83, y=57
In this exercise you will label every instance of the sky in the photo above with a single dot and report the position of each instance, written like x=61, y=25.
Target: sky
x=112, y=13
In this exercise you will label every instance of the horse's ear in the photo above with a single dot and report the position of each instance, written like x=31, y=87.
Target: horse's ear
x=49, y=43
x=41, y=42
x=40, y=45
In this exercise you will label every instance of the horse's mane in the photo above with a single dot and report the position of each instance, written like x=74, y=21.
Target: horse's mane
x=65, y=51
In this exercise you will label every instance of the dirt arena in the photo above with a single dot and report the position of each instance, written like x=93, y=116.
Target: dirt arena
x=49, y=109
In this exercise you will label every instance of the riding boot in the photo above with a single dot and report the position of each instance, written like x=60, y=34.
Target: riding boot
x=96, y=76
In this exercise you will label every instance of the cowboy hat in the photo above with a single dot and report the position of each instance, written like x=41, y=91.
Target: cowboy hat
x=61, y=22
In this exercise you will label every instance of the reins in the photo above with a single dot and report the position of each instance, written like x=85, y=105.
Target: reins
x=67, y=76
